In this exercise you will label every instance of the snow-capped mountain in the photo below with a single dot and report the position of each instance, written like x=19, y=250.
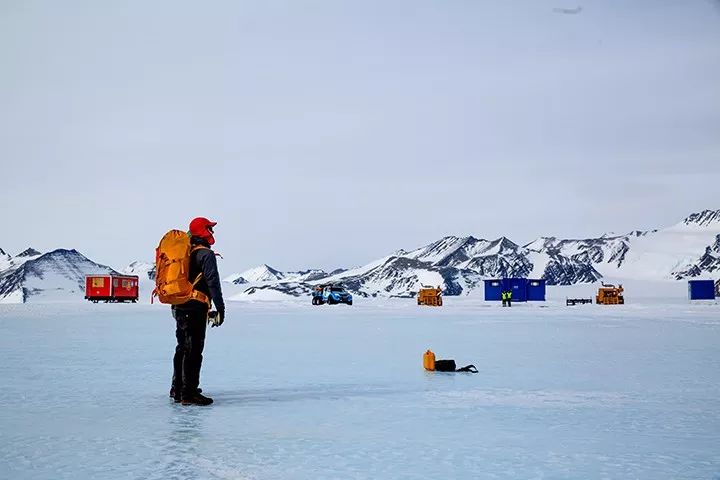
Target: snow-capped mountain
x=55, y=276
x=677, y=252
x=266, y=274
x=261, y=274
x=688, y=249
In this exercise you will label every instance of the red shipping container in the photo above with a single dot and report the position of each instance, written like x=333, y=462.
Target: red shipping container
x=112, y=288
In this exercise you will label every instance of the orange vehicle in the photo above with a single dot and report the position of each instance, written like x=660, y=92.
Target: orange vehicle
x=430, y=296
x=610, y=295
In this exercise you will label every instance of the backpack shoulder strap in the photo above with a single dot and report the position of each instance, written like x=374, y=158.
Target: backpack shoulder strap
x=195, y=249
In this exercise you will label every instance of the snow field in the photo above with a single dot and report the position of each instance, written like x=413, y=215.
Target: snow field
x=307, y=392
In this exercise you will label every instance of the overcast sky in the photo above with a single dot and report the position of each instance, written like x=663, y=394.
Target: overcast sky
x=330, y=133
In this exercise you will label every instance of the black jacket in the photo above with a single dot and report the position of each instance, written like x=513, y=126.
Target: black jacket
x=203, y=261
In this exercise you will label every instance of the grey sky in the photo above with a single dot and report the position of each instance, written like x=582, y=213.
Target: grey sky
x=329, y=133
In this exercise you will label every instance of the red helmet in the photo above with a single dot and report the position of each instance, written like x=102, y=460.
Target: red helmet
x=203, y=228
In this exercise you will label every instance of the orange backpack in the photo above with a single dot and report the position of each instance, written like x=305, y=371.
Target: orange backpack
x=172, y=281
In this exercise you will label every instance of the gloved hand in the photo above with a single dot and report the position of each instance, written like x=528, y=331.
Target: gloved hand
x=215, y=319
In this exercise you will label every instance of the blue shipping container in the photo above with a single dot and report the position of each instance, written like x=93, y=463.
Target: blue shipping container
x=701, y=290
x=536, y=290
x=518, y=286
x=493, y=289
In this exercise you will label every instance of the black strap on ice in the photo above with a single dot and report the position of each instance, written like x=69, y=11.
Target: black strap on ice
x=468, y=369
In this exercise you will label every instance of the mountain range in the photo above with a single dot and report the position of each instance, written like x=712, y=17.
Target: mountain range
x=48, y=277
x=688, y=249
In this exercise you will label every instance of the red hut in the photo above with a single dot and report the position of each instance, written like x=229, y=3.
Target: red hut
x=111, y=288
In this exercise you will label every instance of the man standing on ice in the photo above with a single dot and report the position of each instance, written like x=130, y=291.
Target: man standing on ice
x=191, y=317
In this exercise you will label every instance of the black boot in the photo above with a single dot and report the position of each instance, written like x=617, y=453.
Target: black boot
x=196, y=399
x=172, y=393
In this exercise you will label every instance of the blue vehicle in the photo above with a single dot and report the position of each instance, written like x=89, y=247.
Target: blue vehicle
x=331, y=294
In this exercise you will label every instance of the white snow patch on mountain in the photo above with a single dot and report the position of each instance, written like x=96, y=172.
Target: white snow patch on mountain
x=144, y=270
x=429, y=278
x=15, y=296
x=539, y=261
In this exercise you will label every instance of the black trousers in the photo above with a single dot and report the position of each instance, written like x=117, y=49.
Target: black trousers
x=190, y=328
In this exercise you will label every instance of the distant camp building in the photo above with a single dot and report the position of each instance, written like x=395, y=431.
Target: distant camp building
x=523, y=289
x=701, y=290
x=111, y=288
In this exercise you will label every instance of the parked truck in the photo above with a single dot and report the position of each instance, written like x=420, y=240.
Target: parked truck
x=610, y=295
x=430, y=296
x=331, y=294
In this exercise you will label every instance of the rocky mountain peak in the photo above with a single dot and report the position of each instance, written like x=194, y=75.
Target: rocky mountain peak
x=541, y=243
x=260, y=274
x=705, y=218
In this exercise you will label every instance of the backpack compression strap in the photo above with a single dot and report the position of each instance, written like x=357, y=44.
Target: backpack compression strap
x=468, y=369
x=201, y=297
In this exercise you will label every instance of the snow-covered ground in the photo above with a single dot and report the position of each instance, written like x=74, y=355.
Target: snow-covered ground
x=308, y=392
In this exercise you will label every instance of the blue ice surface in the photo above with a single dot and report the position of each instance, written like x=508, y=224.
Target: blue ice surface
x=307, y=392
